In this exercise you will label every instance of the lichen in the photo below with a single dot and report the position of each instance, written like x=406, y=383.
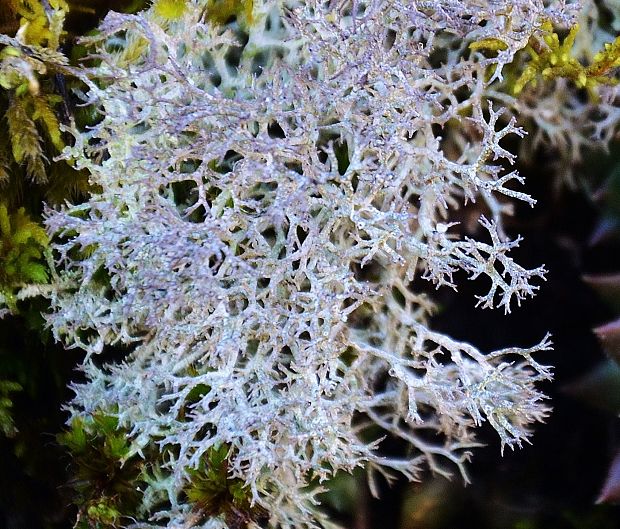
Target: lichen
x=271, y=197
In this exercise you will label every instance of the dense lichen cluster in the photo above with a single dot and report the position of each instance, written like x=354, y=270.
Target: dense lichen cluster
x=272, y=185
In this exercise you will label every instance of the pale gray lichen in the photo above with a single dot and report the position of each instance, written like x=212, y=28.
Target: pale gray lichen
x=270, y=199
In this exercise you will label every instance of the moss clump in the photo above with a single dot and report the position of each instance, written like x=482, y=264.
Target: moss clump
x=106, y=478
x=214, y=493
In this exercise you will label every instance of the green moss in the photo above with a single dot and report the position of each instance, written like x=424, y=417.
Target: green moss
x=7, y=427
x=170, y=9
x=551, y=58
x=214, y=493
x=220, y=12
x=106, y=479
x=22, y=245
